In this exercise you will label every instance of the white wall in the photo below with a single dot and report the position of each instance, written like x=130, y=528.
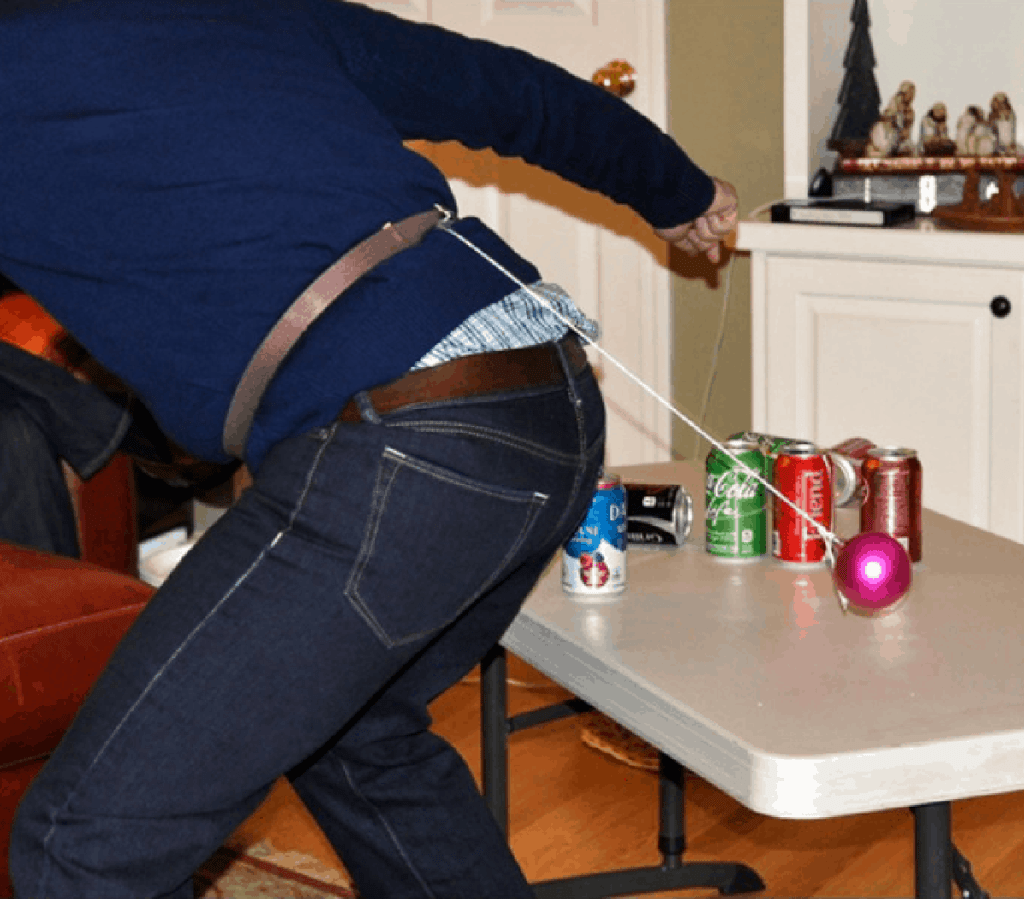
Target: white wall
x=959, y=52
x=829, y=29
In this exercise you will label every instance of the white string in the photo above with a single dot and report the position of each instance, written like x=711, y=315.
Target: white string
x=824, y=532
x=713, y=371
x=720, y=340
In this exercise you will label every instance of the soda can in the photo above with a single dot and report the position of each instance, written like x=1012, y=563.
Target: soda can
x=892, y=499
x=770, y=445
x=658, y=514
x=736, y=523
x=594, y=559
x=803, y=475
x=848, y=470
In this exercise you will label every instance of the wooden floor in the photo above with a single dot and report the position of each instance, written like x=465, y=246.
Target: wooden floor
x=575, y=810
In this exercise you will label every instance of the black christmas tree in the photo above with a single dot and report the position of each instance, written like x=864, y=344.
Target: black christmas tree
x=859, y=100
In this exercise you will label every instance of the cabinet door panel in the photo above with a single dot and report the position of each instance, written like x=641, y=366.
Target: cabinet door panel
x=907, y=355
x=905, y=376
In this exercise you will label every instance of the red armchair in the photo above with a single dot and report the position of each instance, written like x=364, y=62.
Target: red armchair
x=60, y=620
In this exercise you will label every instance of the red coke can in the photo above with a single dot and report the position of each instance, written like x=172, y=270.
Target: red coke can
x=803, y=474
x=892, y=501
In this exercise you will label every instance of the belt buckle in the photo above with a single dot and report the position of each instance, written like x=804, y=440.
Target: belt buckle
x=449, y=216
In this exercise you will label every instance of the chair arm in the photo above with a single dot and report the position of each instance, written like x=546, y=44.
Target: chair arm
x=60, y=620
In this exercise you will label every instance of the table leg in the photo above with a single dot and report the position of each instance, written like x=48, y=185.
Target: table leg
x=727, y=877
x=933, y=844
x=673, y=873
x=964, y=878
x=672, y=830
x=494, y=733
x=933, y=851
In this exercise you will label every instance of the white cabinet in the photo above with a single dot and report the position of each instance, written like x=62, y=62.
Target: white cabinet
x=898, y=336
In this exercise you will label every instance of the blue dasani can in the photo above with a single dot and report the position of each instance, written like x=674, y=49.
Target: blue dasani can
x=594, y=560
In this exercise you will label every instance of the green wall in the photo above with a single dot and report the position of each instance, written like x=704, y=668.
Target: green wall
x=725, y=109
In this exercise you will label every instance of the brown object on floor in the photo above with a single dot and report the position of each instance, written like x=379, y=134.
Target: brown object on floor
x=283, y=820
x=262, y=872
x=601, y=733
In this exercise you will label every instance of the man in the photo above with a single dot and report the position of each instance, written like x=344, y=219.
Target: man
x=181, y=173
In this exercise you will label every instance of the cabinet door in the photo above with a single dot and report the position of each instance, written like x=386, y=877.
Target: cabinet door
x=909, y=355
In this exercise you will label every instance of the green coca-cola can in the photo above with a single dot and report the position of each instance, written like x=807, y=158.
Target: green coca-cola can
x=735, y=511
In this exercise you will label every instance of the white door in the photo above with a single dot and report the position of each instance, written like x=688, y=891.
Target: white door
x=909, y=355
x=605, y=256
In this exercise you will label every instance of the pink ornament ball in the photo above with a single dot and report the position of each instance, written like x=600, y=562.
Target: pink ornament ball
x=872, y=572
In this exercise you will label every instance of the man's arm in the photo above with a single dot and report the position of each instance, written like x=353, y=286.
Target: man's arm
x=433, y=84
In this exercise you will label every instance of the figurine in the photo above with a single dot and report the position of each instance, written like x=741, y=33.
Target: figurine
x=964, y=126
x=1003, y=122
x=883, y=136
x=974, y=136
x=891, y=133
x=904, y=102
x=935, y=133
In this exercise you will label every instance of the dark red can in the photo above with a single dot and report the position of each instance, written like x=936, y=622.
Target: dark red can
x=892, y=500
x=803, y=474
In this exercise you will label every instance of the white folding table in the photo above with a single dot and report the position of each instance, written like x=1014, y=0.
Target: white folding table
x=750, y=675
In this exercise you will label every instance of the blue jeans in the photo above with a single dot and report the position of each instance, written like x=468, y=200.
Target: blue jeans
x=370, y=566
x=46, y=415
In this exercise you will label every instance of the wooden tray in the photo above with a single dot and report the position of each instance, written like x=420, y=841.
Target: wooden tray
x=1004, y=212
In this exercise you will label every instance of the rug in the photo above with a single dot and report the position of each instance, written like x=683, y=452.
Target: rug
x=261, y=872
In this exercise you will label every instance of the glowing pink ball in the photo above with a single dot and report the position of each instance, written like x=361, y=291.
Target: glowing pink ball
x=872, y=571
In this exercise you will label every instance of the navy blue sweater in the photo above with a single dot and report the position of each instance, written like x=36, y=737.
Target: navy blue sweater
x=173, y=173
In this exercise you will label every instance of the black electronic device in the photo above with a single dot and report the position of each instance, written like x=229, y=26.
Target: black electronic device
x=878, y=214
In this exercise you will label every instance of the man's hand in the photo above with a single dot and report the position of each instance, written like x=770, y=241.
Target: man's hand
x=704, y=234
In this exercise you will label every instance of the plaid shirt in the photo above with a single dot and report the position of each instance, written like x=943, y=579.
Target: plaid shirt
x=517, y=320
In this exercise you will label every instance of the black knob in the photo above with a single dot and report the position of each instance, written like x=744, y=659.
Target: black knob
x=1000, y=307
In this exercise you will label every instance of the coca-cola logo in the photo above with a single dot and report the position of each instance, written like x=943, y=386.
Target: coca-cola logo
x=726, y=491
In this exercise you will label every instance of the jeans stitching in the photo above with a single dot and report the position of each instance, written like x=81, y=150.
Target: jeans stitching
x=584, y=456
x=435, y=472
x=385, y=478
x=536, y=505
x=391, y=833
x=536, y=501
x=87, y=470
x=454, y=428
x=177, y=652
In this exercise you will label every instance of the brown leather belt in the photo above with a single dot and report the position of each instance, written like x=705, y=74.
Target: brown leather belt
x=310, y=305
x=478, y=375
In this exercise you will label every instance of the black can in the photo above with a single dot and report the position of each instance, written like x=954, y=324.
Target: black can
x=658, y=514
